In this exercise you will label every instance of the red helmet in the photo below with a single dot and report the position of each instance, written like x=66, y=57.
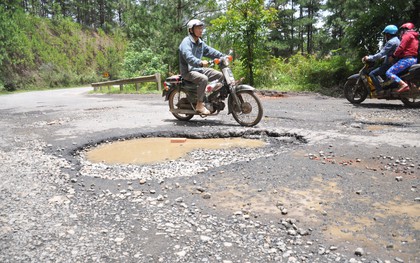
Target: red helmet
x=408, y=26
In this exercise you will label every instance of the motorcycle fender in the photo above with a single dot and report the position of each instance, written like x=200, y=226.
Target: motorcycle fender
x=244, y=87
x=166, y=94
x=167, y=91
x=354, y=76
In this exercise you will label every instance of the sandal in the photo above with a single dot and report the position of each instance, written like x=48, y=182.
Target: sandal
x=403, y=89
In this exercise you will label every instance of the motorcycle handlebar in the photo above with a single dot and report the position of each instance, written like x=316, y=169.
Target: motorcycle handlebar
x=217, y=61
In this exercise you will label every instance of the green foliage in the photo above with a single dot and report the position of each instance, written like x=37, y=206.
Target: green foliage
x=160, y=26
x=14, y=51
x=245, y=24
x=60, y=43
x=143, y=63
x=304, y=73
x=53, y=53
x=143, y=88
x=327, y=72
x=360, y=31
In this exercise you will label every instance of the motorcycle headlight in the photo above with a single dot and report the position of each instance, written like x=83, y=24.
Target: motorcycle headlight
x=227, y=60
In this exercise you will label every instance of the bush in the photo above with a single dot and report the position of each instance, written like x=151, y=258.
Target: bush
x=301, y=73
x=143, y=63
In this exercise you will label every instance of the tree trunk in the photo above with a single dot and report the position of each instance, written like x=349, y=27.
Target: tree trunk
x=309, y=29
x=292, y=30
x=301, y=40
x=250, y=64
x=101, y=13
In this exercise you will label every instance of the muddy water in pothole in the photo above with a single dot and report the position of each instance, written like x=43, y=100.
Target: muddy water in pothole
x=154, y=150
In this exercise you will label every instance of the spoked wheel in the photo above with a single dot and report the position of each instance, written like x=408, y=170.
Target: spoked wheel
x=249, y=112
x=355, y=92
x=177, y=101
x=413, y=96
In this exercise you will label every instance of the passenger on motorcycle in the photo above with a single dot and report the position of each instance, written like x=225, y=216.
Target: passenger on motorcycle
x=407, y=53
x=192, y=67
x=392, y=42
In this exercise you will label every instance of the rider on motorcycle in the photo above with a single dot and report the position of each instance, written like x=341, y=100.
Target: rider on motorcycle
x=407, y=53
x=392, y=42
x=192, y=67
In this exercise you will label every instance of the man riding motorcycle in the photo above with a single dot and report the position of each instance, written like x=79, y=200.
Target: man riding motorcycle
x=192, y=67
x=392, y=42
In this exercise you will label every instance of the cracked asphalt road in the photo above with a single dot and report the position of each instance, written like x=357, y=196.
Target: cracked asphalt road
x=344, y=178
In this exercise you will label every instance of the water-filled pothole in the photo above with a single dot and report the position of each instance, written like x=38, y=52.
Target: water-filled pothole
x=201, y=152
x=161, y=149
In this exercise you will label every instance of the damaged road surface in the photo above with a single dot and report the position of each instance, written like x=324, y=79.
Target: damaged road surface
x=327, y=181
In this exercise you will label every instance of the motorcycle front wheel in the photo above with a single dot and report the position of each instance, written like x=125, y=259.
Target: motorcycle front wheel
x=176, y=99
x=355, y=92
x=249, y=111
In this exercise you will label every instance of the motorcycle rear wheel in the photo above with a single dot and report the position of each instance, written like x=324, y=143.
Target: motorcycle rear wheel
x=355, y=92
x=174, y=102
x=250, y=111
x=413, y=97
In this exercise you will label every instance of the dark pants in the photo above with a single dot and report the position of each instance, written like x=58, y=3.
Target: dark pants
x=380, y=71
x=201, y=79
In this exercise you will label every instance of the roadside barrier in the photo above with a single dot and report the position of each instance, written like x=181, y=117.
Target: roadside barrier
x=121, y=82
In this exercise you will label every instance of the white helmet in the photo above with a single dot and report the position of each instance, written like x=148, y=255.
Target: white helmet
x=193, y=23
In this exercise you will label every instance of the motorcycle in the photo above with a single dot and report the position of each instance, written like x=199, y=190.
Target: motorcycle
x=359, y=86
x=243, y=103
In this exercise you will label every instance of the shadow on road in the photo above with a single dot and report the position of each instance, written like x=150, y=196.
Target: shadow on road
x=202, y=123
x=380, y=106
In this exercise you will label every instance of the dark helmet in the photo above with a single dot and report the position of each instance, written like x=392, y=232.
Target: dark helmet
x=390, y=29
x=408, y=26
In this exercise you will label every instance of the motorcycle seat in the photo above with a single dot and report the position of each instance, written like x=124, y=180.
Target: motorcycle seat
x=176, y=79
x=414, y=67
x=414, y=71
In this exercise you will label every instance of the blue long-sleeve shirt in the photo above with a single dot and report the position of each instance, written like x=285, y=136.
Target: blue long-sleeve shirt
x=386, y=51
x=191, y=53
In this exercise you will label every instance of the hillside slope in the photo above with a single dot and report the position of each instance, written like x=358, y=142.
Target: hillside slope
x=42, y=53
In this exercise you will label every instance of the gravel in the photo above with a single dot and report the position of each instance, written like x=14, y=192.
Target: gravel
x=58, y=207
x=142, y=218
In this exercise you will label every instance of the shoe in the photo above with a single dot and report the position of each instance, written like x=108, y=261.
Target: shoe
x=380, y=94
x=403, y=89
x=200, y=108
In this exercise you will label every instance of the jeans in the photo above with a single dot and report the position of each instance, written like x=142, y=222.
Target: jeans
x=380, y=71
x=201, y=79
x=400, y=66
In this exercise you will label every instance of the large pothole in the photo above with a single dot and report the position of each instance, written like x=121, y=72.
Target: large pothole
x=167, y=154
x=161, y=149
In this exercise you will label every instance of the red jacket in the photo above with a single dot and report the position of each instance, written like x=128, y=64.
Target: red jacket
x=409, y=45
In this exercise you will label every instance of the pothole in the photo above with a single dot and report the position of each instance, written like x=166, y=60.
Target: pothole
x=161, y=149
x=168, y=154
